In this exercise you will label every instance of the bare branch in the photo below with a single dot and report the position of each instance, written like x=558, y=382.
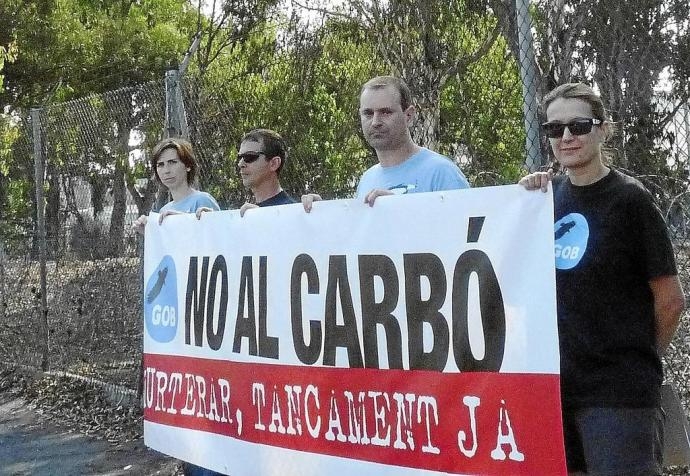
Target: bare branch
x=669, y=117
x=482, y=51
x=323, y=11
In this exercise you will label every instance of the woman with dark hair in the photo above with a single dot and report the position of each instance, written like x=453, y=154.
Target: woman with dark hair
x=619, y=298
x=174, y=166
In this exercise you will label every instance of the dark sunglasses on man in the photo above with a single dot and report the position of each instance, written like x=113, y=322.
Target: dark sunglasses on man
x=578, y=127
x=249, y=157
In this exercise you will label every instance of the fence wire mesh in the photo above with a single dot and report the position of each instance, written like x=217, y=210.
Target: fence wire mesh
x=478, y=70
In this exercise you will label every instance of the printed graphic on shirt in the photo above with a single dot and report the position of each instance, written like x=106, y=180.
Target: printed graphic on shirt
x=571, y=234
x=160, y=302
x=401, y=189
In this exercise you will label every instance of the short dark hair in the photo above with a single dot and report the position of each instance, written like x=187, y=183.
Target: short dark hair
x=184, y=152
x=273, y=144
x=401, y=86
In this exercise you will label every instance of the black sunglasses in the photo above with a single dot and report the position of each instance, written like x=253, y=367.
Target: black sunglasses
x=578, y=127
x=249, y=157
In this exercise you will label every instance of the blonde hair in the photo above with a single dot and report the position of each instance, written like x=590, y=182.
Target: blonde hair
x=584, y=93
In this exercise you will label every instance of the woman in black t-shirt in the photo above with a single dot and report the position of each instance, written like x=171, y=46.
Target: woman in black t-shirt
x=618, y=295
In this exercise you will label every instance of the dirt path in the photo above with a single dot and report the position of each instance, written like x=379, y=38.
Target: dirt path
x=29, y=445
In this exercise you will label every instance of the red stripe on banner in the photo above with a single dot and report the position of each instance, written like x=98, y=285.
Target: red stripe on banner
x=477, y=423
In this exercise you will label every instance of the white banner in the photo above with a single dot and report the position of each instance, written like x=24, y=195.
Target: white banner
x=417, y=336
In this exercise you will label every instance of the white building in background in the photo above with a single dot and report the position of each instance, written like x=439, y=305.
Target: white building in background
x=81, y=190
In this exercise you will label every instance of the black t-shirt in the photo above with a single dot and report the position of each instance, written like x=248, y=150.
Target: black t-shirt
x=281, y=198
x=610, y=241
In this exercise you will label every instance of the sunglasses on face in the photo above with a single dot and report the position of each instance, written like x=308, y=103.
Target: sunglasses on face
x=249, y=157
x=578, y=127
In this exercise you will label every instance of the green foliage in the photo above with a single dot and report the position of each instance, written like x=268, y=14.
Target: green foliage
x=481, y=119
x=8, y=53
x=304, y=83
x=15, y=185
x=307, y=91
x=74, y=48
x=322, y=79
x=9, y=134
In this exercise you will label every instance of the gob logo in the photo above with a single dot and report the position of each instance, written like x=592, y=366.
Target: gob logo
x=571, y=234
x=160, y=302
x=164, y=316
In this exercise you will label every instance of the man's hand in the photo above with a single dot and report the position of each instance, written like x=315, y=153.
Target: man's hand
x=370, y=198
x=309, y=199
x=201, y=210
x=537, y=180
x=139, y=224
x=247, y=206
x=168, y=213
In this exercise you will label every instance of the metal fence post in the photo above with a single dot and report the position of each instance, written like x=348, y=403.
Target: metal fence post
x=686, y=123
x=175, y=117
x=39, y=174
x=529, y=76
x=175, y=114
x=172, y=126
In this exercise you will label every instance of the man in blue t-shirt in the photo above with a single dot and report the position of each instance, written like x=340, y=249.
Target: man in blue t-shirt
x=386, y=114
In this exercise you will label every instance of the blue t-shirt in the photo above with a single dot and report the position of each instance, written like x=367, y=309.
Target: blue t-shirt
x=191, y=202
x=425, y=171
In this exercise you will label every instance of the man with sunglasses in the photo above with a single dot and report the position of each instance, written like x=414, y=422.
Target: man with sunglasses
x=386, y=113
x=260, y=159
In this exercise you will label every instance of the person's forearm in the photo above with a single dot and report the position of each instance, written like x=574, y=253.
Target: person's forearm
x=669, y=303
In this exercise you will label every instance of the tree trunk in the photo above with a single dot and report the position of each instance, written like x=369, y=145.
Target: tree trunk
x=117, y=220
x=426, y=129
x=145, y=198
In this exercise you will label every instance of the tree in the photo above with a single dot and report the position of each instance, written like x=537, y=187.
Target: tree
x=78, y=48
x=227, y=25
x=624, y=50
x=426, y=43
x=481, y=119
x=304, y=83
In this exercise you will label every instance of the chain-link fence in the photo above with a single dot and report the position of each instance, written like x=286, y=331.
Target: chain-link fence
x=83, y=317
x=478, y=70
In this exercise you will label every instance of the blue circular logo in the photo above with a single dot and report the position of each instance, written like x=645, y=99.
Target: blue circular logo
x=571, y=234
x=160, y=302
